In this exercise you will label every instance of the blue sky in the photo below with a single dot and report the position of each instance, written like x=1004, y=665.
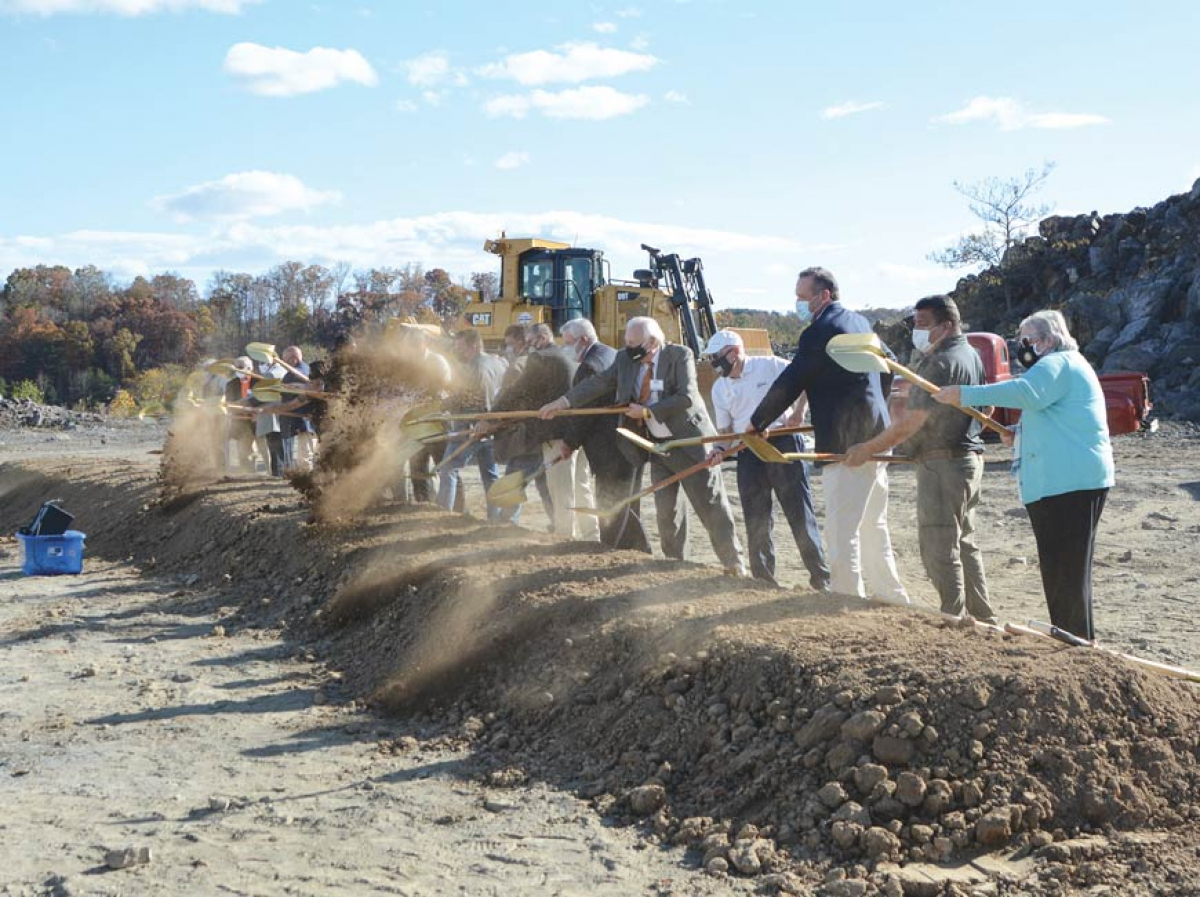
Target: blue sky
x=191, y=135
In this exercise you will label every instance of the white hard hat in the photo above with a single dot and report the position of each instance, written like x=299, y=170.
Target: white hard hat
x=722, y=340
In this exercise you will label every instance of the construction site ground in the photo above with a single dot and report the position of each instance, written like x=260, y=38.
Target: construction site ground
x=416, y=702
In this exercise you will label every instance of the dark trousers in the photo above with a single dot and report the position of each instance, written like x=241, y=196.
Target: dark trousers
x=757, y=482
x=277, y=453
x=624, y=529
x=706, y=492
x=1065, y=529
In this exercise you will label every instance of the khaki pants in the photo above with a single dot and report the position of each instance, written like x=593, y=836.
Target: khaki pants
x=587, y=527
x=947, y=493
x=857, y=543
x=560, y=479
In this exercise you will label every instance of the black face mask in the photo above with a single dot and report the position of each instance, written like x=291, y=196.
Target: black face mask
x=1027, y=355
x=722, y=365
x=635, y=353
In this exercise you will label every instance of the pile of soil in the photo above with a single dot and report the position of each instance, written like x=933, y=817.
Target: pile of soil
x=16, y=413
x=779, y=733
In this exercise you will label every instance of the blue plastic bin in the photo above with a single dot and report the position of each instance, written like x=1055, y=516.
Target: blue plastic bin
x=51, y=555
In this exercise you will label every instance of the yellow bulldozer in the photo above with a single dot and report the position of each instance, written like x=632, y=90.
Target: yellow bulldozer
x=544, y=281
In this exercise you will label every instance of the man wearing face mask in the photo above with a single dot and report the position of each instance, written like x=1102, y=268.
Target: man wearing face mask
x=658, y=382
x=598, y=438
x=744, y=380
x=947, y=446
x=846, y=408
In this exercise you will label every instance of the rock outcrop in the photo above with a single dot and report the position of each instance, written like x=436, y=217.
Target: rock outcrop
x=1128, y=284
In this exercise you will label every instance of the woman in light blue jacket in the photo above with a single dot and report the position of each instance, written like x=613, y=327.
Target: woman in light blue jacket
x=1063, y=459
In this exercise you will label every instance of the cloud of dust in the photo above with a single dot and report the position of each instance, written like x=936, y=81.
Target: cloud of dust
x=194, y=452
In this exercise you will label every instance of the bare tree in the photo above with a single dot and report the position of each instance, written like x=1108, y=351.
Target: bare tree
x=1005, y=208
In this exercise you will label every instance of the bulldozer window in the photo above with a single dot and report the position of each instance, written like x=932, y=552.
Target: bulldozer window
x=536, y=277
x=578, y=278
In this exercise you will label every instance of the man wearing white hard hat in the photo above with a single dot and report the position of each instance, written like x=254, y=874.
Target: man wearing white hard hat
x=744, y=380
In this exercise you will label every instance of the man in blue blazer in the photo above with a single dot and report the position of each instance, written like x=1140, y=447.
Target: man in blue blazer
x=847, y=408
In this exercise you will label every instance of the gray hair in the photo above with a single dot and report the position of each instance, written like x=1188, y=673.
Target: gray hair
x=579, y=328
x=543, y=330
x=650, y=328
x=1050, y=324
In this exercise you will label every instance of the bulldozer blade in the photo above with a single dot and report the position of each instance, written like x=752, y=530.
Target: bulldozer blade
x=642, y=442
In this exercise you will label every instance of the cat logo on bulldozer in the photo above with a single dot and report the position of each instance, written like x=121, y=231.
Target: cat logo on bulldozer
x=481, y=319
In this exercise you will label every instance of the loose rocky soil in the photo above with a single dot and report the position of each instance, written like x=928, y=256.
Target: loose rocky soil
x=799, y=742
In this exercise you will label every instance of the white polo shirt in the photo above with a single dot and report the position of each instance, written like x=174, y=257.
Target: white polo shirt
x=736, y=398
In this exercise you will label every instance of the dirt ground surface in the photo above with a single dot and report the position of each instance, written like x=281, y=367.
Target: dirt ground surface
x=396, y=672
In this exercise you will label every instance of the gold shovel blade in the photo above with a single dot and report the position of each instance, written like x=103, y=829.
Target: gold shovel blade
x=640, y=441
x=763, y=450
x=262, y=352
x=267, y=396
x=508, y=491
x=861, y=353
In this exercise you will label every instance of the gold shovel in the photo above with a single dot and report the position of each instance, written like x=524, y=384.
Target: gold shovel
x=661, y=448
x=225, y=367
x=522, y=415
x=509, y=490
x=265, y=353
x=863, y=353
x=661, y=484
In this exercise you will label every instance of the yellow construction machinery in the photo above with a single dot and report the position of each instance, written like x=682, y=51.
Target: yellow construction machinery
x=543, y=281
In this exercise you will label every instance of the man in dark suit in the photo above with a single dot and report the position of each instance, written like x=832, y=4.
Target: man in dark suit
x=658, y=381
x=847, y=408
x=547, y=373
x=598, y=438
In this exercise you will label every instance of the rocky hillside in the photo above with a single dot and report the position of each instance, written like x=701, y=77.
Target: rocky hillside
x=1129, y=284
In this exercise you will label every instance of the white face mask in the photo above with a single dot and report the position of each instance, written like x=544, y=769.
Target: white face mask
x=921, y=340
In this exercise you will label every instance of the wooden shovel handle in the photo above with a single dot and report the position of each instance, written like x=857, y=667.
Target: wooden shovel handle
x=662, y=484
x=523, y=415
x=931, y=388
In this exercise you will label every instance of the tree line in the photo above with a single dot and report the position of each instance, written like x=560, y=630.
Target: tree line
x=76, y=337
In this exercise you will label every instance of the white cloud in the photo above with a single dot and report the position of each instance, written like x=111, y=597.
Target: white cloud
x=428, y=69
x=450, y=240
x=406, y=106
x=571, y=64
x=641, y=42
x=122, y=7
x=629, y=12
x=246, y=194
x=849, y=108
x=675, y=96
x=590, y=103
x=280, y=72
x=1009, y=115
x=604, y=27
x=512, y=160
x=432, y=97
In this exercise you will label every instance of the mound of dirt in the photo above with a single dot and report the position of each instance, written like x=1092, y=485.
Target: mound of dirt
x=785, y=734
x=28, y=413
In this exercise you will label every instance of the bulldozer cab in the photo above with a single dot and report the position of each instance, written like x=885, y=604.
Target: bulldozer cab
x=563, y=281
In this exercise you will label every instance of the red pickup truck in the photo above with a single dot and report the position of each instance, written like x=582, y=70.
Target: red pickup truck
x=1126, y=394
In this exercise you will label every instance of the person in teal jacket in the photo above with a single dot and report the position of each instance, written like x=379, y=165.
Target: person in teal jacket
x=1063, y=459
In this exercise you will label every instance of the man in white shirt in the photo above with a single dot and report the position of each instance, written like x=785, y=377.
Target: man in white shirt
x=744, y=380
